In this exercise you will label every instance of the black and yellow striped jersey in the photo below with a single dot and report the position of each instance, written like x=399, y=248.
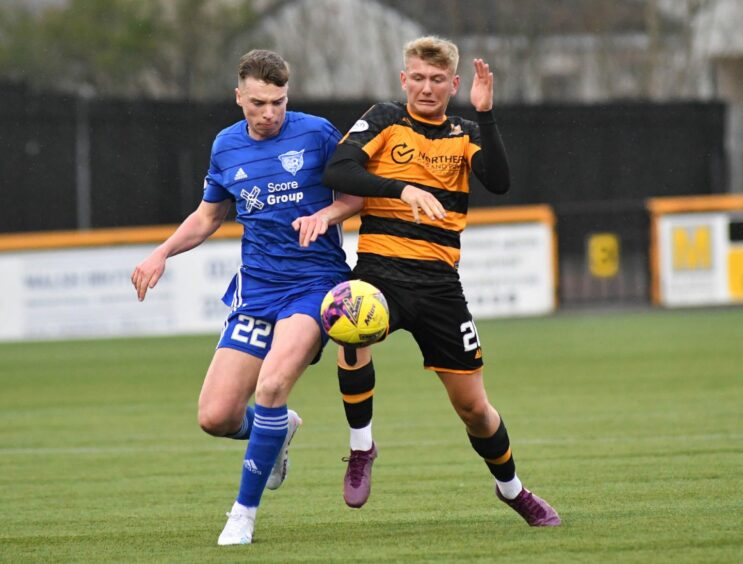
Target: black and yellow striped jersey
x=398, y=148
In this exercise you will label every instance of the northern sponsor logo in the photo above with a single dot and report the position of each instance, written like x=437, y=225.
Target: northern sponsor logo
x=440, y=160
x=402, y=154
x=442, y=163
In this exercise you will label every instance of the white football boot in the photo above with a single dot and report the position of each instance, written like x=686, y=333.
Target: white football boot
x=281, y=466
x=239, y=526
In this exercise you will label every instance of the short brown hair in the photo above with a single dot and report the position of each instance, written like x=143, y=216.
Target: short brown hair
x=434, y=50
x=263, y=65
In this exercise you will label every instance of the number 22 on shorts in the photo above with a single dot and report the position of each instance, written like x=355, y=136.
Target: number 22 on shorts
x=250, y=329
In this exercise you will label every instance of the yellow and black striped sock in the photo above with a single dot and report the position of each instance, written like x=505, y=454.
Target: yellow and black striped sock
x=357, y=387
x=496, y=451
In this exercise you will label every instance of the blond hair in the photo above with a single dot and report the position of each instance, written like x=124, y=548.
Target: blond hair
x=433, y=50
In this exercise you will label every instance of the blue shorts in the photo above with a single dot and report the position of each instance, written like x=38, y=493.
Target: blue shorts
x=258, y=306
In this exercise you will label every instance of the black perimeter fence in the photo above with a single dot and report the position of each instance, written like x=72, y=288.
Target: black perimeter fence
x=70, y=162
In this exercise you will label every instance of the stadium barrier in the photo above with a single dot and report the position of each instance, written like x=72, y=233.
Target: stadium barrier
x=76, y=284
x=696, y=250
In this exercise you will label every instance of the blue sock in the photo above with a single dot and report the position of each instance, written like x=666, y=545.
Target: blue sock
x=269, y=431
x=244, y=431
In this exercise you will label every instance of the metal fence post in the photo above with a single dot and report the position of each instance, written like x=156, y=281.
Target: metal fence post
x=83, y=194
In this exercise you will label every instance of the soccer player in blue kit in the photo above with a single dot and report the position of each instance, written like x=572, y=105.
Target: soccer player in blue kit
x=270, y=166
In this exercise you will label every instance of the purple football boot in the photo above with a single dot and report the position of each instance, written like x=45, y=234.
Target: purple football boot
x=534, y=510
x=357, y=482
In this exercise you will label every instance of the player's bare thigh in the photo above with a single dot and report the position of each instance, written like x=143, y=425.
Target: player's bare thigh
x=470, y=400
x=296, y=342
x=228, y=385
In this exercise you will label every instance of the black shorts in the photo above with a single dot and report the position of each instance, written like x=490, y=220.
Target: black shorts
x=439, y=320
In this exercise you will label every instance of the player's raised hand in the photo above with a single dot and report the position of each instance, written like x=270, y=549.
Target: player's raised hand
x=481, y=94
x=310, y=227
x=419, y=199
x=147, y=273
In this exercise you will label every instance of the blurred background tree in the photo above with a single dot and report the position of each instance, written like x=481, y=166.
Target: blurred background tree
x=182, y=48
x=567, y=51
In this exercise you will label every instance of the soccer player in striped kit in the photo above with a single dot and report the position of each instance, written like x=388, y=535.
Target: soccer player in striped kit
x=270, y=166
x=412, y=163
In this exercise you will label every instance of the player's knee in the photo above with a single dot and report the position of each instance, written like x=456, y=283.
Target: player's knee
x=272, y=392
x=217, y=422
x=474, y=413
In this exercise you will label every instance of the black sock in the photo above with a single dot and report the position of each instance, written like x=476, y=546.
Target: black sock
x=357, y=387
x=496, y=451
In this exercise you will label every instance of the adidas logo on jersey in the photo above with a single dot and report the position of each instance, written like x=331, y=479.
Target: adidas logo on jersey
x=240, y=174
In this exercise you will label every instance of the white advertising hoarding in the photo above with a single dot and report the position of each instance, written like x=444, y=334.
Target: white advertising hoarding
x=693, y=257
x=506, y=270
x=88, y=292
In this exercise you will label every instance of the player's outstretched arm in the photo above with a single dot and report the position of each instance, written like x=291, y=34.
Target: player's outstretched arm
x=310, y=227
x=194, y=230
x=490, y=165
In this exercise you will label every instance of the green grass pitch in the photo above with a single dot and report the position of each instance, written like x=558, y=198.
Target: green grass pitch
x=630, y=424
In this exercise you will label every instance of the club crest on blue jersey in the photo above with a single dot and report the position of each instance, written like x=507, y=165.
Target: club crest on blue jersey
x=251, y=199
x=292, y=161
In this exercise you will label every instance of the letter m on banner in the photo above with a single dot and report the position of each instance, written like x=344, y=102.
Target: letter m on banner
x=692, y=248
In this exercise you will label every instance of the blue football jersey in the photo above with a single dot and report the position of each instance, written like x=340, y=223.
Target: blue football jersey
x=273, y=182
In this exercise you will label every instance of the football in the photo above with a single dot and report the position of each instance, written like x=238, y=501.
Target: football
x=355, y=314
